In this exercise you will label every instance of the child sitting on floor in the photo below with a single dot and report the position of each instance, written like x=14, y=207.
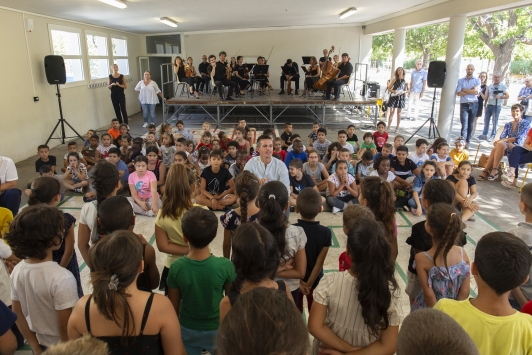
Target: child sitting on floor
x=428, y=170
x=466, y=190
x=143, y=188
x=380, y=136
x=316, y=170
x=89, y=151
x=443, y=161
x=75, y=176
x=72, y=148
x=102, y=152
x=299, y=180
x=168, y=149
x=238, y=166
x=44, y=158
x=341, y=188
x=217, y=184
x=459, y=153
x=367, y=145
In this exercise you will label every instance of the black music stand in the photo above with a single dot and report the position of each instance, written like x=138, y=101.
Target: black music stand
x=433, y=128
x=306, y=60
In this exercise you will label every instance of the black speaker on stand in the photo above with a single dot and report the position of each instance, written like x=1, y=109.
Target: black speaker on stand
x=54, y=66
x=435, y=79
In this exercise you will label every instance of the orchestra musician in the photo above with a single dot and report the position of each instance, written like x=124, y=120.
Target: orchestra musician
x=233, y=63
x=192, y=72
x=204, y=73
x=180, y=71
x=263, y=78
x=336, y=62
x=324, y=58
x=312, y=75
x=218, y=72
x=239, y=72
x=290, y=73
x=346, y=69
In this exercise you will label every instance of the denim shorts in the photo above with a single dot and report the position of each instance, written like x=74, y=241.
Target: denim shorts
x=196, y=340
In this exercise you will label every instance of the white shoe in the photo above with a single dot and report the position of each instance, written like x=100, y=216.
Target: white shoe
x=335, y=210
x=145, y=125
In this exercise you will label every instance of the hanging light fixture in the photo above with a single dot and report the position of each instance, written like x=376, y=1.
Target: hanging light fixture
x=168, y=21
x=348, y=13
x=116, y=3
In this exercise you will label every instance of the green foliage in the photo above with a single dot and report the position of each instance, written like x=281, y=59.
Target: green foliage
x=427, y=42
x=382, y=46
x=409, y=64
x=521, y=67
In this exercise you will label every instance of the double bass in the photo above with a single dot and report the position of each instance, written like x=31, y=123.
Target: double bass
x=329, y=72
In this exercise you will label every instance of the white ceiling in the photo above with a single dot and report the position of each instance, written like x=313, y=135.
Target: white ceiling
x=142, y=16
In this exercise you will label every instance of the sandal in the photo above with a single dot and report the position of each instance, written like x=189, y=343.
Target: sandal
x=483, y=177
x=493, y=176
x=508, y=184
x=508, y=177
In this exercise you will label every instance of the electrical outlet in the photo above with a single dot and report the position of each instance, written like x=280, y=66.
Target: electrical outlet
x=36, y=98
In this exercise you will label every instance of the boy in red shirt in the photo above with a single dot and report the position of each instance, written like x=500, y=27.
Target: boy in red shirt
x=114, y=131
x=381, y=136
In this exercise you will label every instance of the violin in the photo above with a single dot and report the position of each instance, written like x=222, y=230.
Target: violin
x=228, y=72
x=246, y=73
x=189, y=73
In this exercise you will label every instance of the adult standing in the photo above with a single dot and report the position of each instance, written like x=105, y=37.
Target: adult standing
x=481, y=97
x=467, y=89
x=397, y=88
x=148, y=91
x=117, y=84
x=514, y=133
x=9, y=194
x=265, y=167
x=418, y=82
x=496, y=93
x=524, y=96
x=346, y=69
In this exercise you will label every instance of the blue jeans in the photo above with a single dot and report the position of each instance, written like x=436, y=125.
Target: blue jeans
x=196, y=340
x=148, y=110
x=10, y=199
x=491, y=111
x=412, y=203
x=468, y=112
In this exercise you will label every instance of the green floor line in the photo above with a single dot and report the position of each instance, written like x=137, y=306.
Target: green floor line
x=488, y=222
x=400, y=272
x=65, y=200
x=70, y=208
x=471, y=240
x=335, y=243
x=406, y=219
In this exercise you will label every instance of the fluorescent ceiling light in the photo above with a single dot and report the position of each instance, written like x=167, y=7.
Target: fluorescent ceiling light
x=116, y=3
x=346, y=13
x=168, y=21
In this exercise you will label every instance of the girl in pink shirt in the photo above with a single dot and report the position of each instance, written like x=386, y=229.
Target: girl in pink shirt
x=143, y=186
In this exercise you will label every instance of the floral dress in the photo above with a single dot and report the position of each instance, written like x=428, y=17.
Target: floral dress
x=57, y=255
x=444, y=285
x=519, y=133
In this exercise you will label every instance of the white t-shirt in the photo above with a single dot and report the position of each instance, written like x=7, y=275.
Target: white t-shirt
x=8, y=170
x=296, y=239
x=418, y=160
x=336, y=181
x=390, y=178
x=5, y=282
x=349, y=146
x=88, y=215
x=148, y=93
x=316, y=173
x=42, y=289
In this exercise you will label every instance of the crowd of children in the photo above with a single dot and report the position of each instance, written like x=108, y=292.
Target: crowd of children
x=232, y=304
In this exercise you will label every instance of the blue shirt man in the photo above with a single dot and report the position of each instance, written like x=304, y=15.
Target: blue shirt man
x=524, y=96
x=467, y=90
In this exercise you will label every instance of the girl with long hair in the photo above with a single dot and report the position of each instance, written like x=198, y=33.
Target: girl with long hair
x=358, y=309
x=398, y=89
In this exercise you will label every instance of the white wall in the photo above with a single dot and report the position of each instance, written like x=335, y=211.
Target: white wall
x=289, y=43
x=25, y=124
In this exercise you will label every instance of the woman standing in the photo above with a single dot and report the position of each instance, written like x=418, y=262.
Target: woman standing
x=483, y=76
x=514, y=133
x=148, y=91
x=398, y=88
x=117, y=84
x=180, y=71
x=312, y=75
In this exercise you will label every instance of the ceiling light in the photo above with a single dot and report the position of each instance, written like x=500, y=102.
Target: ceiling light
x=346, y=13
x=168, y=21
x=116, y=3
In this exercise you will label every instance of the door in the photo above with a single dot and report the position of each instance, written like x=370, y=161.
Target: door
x=144, y=64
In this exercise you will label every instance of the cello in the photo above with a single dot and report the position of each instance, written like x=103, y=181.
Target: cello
x=329, y=72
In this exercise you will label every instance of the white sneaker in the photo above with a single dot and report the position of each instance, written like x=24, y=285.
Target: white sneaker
x=145, y=125
x=335, y=210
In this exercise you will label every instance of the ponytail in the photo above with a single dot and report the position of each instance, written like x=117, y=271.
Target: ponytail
x=247, y=188
x=380, y=197
x=370, y=251
x=44, y=190
x=273, y=199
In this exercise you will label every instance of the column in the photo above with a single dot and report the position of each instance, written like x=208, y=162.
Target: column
x=398, y=59
x=453, y=58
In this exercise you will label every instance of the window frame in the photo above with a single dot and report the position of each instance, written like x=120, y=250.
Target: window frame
x=89, y=57
x=79, y=31
x=114, y=57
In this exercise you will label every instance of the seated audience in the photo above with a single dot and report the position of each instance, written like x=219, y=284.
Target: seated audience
x=9, y=194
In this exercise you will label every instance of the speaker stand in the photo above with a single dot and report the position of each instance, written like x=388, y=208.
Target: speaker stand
x=61, y=121
x=433, y=129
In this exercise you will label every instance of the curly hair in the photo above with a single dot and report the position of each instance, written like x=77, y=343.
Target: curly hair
x=34, y=230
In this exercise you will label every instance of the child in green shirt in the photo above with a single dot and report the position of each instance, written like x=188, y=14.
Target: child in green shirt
x=367, y=145
x=196, y=282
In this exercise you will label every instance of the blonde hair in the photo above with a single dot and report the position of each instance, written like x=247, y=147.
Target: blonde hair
x=86, y=345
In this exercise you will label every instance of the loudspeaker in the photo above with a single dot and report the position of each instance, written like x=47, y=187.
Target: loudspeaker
x=54, y=65
x=436, y=74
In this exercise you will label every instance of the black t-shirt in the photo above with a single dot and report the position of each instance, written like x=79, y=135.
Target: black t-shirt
x=181, y=73
x=352, y=139
x=421, y=240
x=38, y=163
x=470, y=180
x=345, y=69
x=219, y=72
x=202, y=68
x=403, y=171
x=240, y=69
x=216, y=183
x=287, y=138
x=298, y=185
x=318, y=237
x=229, y=160
x=289, y=70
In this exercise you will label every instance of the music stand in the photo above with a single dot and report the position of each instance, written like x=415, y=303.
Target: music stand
x=433, y=128
x=306, y=60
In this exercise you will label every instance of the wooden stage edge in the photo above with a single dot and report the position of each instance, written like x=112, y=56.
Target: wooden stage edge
x=265, y=105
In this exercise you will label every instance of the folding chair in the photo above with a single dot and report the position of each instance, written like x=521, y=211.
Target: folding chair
x=348, y=87
x=184, y=86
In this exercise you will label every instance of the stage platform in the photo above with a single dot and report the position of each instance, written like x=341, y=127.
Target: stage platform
x=272, y=106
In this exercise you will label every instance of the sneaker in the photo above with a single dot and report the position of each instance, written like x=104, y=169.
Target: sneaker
x=150, y=213
x=406, y=209
x=472, y=218
x=145, y=125
x=482, y=137
x=335, y=210
x=79, y=190
x=281, y=92
x=490, y=139
x=413, y=210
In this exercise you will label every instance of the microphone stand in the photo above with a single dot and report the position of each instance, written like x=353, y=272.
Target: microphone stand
x=433, y=129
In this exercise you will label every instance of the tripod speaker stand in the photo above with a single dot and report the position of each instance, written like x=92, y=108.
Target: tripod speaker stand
x=433, y=129
x=61, y=121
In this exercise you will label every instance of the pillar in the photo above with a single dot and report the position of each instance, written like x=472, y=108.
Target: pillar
x=453, y=59
x=398, y=58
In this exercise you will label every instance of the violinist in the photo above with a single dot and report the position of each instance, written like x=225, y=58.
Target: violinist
x=263, y=78
x=180, y=71
x=290, y=73
x=336, y=62
x=313, y=74
x=240, y=76
x=218, y=72
x=204, y=73
x=233, y=63
x=191, y=72
x=346, y=69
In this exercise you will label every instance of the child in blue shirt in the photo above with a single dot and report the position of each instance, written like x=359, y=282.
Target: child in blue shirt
x=428, y=171
x=296, y=153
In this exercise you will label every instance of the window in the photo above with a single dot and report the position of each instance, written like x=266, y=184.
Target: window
x=98, y=55
x=119, y=48
x=66, y=43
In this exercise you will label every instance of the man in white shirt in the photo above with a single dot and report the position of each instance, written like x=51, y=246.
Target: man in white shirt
x=497, y=92
x=9, y=194
x=418, y=82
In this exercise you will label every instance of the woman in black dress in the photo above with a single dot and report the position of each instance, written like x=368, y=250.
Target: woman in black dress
x=238, y=75
x=117, y=84
x=312, y=75
x=483, y=76
x=179, y=70
x=397, y=88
